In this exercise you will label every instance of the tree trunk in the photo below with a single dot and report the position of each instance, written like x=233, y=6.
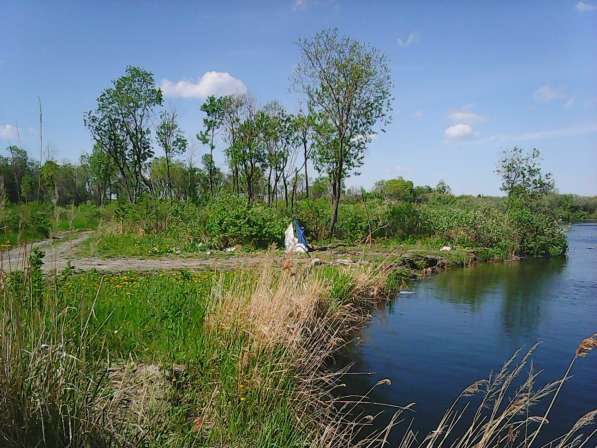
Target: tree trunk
x=294, y=184
x=211, y=163
x=168, y=174
x=336, y=191
x=306, y=170
x=269, y=187
x=285, y=183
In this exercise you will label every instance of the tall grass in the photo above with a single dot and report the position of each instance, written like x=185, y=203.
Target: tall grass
x=235, y=360
x=50, y=384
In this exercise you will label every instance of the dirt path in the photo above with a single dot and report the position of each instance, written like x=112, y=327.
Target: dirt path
x=60, y=252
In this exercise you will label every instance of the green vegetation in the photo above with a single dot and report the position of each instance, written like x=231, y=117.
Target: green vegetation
x=206, y=359
x=236, y=359
x=151, y=204
x=177, y=359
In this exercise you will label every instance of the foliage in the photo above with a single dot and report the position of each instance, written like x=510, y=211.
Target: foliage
x=213, y=107
x=171, y=140
x=522, y=175
x=119, y=126
x=229, y=221
x=348, y=85
x=397, y=189
x=538, y=231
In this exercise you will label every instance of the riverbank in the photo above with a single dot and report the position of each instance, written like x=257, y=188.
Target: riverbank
x=231, y=358
x=191, y=358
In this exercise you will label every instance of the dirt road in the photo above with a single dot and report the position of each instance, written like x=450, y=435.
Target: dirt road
x=60, y=252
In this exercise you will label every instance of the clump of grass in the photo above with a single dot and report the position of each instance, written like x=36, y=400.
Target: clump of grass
x=50, y=385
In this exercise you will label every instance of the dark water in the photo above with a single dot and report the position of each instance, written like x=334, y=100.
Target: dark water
x=462, y=324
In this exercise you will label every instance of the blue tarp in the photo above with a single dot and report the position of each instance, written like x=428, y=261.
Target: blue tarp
x=300, y=233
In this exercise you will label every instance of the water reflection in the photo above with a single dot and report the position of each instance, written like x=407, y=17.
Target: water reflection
x=462, y=324
x=524, y=288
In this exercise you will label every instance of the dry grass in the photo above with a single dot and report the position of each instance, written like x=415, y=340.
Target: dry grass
x=291, y=310
x=271, y=336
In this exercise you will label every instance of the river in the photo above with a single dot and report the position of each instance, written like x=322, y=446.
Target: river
x=460, y=325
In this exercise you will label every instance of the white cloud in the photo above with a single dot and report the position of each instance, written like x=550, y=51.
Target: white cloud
x=299, y=4
x=583, y=6
x=465, y=115
x=409, y=40
x=462, y=120
x=419, y=114
x=458, y=131
x=211, y=83
x=8, y=132
x=547, y=94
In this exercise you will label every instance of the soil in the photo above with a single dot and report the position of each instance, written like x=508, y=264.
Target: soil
x=61, y=251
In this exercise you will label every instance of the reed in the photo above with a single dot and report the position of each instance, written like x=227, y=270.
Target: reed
x=88, y=360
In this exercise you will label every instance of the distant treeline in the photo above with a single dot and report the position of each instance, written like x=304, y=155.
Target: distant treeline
x=22, y=181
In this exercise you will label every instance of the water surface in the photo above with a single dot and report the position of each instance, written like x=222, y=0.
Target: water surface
x=461, y=324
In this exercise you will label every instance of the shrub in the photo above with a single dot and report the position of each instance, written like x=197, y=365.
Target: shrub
x=228, y=221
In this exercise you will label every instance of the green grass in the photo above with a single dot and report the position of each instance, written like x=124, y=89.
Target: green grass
x=159, y=319
x=177, y=359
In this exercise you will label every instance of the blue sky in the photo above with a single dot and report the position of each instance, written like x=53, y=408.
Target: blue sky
x=471, y=78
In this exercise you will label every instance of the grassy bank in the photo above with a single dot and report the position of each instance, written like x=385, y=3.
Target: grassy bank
x=190, y=359
x=178, y=359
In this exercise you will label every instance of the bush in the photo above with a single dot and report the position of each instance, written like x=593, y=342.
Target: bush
x=537, y=230
x=228, y=221
x=24, y=222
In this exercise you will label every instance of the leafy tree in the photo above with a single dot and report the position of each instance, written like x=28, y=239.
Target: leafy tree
x=101, y=174
x=320, y=188
x=171, y=140
x=248, y=153
x=348, y=83
x=522, y=175
x=120, y=126
x=213, y=107
x=398, y=189
x=19, y=162
x=277, y=135
x=49, y=178
x=443, y=188
x=212, y=174
x=537, y=229
x=235, y=110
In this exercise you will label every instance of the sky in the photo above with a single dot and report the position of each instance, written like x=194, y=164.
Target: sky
x=471, y=78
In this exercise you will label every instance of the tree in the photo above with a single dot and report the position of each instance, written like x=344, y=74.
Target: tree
x=119, y=125
x=347, y=83
x=19, y=162
x=49, y=175
x=304, y=126
x=522, y=175
x=277, y=135
x=536, y=226
x=235, y=110
x=249, y=154
x=213, y=107
x=398, y=189
x=171, y=140
x=101, y=174
x=442, y=187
